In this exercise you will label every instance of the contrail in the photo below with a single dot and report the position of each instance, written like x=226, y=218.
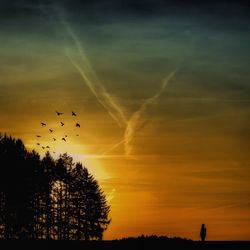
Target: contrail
x=90, y=77
x=112, y=147
x=111, y=195
x=137, y=120
x=98, y=93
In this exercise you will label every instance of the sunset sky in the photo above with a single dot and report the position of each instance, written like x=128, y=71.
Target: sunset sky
x=162, y=92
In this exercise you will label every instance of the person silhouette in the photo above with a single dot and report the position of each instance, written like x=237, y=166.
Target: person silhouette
x=203, y=232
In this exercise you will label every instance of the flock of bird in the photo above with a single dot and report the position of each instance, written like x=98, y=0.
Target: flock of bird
x=43, y=124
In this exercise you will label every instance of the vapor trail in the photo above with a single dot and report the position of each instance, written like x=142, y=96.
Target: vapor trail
x=111, y=195
x=137, y=119
x=90, y=77
x=113, y=147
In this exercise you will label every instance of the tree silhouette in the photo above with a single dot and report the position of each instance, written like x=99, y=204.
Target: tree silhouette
x=47, y=198
x=18, y=181
x=88, y=203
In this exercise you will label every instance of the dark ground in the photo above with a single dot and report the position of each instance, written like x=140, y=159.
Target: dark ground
x=126, y=244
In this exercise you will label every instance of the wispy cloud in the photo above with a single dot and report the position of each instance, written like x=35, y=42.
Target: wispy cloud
x=137, y=119
x=111, y=195
x=82, y=64
x=112, y=148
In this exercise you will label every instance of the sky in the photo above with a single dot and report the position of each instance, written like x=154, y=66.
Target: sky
x=162, y=92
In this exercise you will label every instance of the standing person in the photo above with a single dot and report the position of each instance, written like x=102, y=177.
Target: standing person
x=203, y=232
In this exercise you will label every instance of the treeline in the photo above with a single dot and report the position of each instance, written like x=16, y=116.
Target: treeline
x=47, y=198
x=153, y=238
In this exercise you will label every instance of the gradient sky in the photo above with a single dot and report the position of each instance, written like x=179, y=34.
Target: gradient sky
x=162, y=92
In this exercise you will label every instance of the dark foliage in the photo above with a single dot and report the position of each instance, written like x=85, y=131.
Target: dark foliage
x=47, y=198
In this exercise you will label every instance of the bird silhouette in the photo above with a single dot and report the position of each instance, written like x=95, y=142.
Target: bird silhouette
x=63, y=139
x=77, y=135
x=47, y=147
x=66, y=136
x=62, y=123
x=43, y=147
x=77, y=125
x=38, y=136
x=43, y=124
x=54, y=139
x=59, y=113
x=51, y=130
x=38, y=144
x=73, y=113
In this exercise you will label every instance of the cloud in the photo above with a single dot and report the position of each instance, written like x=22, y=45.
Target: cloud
x=137, y=119
x=81, y=63
x=91, y=79
x=111, y=195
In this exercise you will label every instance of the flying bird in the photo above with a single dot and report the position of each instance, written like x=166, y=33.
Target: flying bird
x=43, y=147
x=54, y=139
x=73, y=113
x=59, y=113
x=77, y=135
x=63, y=139
x=43, y=124
x=66, y=136
x=51, y=130
x=38, y=136
x=47, y=147
x=77, y=125
x=62, y=123
x=38, y=144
